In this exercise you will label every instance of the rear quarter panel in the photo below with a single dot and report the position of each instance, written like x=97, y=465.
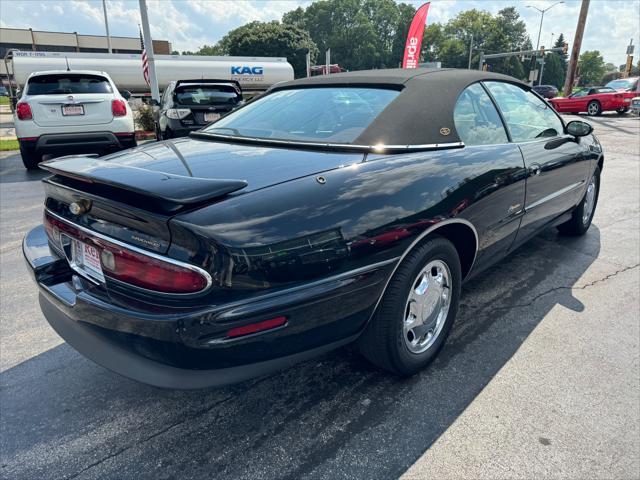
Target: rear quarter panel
x=354, y=216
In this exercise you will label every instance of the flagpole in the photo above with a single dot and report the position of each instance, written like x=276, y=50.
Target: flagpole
x=153, y=80
x=106, y=25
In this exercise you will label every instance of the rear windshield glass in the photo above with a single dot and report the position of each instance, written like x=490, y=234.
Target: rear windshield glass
x=68, y=83
x=604, y=90
x=331, y=114
x=206, y=95
x=623, y=83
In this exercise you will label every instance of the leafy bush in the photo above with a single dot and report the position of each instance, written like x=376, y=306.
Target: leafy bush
x=144, y=118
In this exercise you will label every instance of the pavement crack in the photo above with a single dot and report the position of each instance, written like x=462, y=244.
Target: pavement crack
x=150, y=437
x=555, y=289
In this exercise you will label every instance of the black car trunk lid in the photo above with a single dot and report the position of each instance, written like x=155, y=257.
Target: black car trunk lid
x=127, y=203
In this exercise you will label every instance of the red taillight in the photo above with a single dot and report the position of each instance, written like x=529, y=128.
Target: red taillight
x=23, y=110
x=148, y=272
x=132, y=267
x=118, y=108
x=257, y=327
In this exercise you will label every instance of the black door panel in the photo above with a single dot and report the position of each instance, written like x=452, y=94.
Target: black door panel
x=555, y=182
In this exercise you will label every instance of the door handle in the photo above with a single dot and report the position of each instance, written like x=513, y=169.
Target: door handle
x=535, y=169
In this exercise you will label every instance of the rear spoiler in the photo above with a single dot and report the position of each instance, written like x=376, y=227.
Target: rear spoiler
x=149, y=189
x=206, y=81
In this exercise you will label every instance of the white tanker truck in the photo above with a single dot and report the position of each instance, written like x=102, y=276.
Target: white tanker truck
x=253, y=73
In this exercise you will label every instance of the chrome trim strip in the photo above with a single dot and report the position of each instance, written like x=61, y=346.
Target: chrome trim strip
x=70, y=102
x=553, y=195
x=381, y=148
x=141, y=251
x=417, y=240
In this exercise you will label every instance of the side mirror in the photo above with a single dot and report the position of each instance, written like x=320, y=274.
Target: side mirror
x=126, y=94
x=578, y=128
x=154, y=103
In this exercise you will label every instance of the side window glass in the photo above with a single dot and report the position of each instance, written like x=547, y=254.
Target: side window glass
x=476, y=119
x=527, y=116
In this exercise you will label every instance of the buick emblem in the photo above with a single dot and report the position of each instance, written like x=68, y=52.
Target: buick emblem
x=80, y=207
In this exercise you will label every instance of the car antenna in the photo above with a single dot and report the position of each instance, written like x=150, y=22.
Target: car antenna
x=66, y=59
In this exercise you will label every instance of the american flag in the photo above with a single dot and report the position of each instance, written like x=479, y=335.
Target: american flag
x=145, y=61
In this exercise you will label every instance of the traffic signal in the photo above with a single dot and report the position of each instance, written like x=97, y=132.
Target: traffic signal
x=565, y=48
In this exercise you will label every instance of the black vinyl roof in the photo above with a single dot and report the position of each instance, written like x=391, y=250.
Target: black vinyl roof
x=423, y=112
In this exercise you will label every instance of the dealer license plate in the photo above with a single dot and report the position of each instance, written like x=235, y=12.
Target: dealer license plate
x=87, y=258
x=68, y=110
x=211, y=117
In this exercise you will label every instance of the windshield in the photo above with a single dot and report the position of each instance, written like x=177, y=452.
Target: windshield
x=332, y=114
x=622, y=83
x=205, y=95
x=67, y=83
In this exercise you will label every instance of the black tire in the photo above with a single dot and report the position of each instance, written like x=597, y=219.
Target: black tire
x=383, y=341
x=594, y=109
x=622, y=111
x=578, y=225
x=30, y=158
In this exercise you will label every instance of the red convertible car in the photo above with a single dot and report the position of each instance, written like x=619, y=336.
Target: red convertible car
x=593, y=100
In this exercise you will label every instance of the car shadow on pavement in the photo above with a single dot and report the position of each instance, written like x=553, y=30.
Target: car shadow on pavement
x=21, y=174
x=333, y=417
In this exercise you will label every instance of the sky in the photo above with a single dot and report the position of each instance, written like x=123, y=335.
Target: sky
x=189, y=24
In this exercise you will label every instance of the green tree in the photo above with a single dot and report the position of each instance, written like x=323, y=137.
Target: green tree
x=360, y=33
x=271, y=39
x=553, y=73
x=504, y=32
x=564, y=57
x=406, y=13
x=511, y=66
x=591, y=65
x=210, y=50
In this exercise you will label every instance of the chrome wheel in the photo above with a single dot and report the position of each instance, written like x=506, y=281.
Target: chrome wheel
x=427, y=306
x=589, y=201
x=593, y=108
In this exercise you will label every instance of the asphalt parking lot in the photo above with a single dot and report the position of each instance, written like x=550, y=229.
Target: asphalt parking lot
x=540, y=377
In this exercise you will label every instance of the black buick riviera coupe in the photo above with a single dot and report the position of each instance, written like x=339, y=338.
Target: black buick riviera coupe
x=330, y=210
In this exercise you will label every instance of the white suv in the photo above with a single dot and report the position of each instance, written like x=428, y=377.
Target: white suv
x=64, y=112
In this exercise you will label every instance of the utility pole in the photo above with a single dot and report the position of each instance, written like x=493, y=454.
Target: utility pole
x=146, y=32
x=575, y=51
x=308, y=63
x=470, y=51
x=106, y=24
x=541, y=66
x=629, y=64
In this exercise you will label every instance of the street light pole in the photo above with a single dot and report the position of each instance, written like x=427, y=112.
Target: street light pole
x=542, y=11
x=470, y=52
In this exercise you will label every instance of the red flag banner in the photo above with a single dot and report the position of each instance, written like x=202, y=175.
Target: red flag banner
x=414, y=39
